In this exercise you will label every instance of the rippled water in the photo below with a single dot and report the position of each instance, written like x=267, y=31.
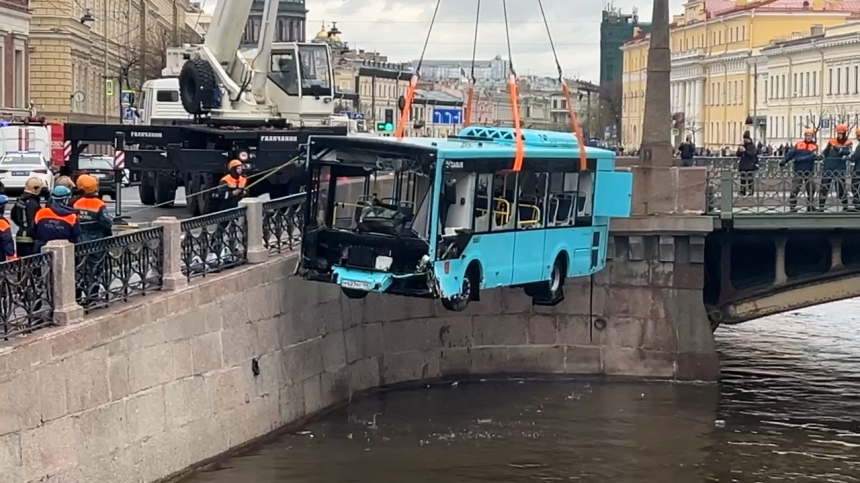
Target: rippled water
x=788, y=409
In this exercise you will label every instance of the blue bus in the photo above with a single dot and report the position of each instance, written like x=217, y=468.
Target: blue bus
x=447, y=218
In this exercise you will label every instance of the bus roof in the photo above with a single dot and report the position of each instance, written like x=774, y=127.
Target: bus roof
x=480, y=142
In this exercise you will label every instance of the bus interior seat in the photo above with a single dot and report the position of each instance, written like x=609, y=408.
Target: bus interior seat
x=529, y=212
x=564, y=213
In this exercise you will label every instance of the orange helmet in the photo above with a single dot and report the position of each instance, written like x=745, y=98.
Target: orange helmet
x=88, y=185
x=235, y=163
x=857, y=132
x=841, y=128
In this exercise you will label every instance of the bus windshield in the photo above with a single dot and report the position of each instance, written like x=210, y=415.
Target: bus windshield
x=380, y=202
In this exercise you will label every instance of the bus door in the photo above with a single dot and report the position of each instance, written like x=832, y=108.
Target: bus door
x=493, y=243
x=530, y=238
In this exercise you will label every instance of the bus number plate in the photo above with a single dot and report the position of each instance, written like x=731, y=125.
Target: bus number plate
x=453, y=165
x=356, y=285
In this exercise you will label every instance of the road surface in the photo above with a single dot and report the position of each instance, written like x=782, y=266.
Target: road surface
x=132, y=209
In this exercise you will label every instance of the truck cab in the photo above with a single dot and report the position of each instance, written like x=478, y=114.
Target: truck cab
x=160, y=105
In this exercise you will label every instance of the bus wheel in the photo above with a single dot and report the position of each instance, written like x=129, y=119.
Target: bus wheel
x=468, y=292
x=354, y=294
x=552, y=291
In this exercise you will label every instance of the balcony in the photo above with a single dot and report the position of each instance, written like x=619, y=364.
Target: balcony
x=690, y=54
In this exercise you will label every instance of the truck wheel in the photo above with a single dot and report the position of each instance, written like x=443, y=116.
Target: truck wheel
x=197, y=87
x=165, y=190
x=146, y=191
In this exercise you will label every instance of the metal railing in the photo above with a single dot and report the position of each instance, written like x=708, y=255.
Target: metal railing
x=216, y=242
x=774, y=189
x=112, y=269
x=283, y=219
x=26, y=295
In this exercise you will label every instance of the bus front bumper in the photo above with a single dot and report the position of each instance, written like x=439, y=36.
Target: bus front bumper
x=362, y=280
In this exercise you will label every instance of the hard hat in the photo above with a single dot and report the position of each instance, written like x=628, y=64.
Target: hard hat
x=234, y=164
x=857, y=132
x=34, y=186
x=809, y=131
x=61, y=193
x=65, y=181
x=841, y=128
x=87, y=184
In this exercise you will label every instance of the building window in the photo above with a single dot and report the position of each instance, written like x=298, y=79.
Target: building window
x=794, y=92
x=830, y=83
x=743, y=32
x=20, y=81
x=815, y=83
x=856, y=81
x=847, y=89
x=2, y=77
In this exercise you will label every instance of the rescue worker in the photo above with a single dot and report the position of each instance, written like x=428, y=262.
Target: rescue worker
x=803, y=155
x=231, y=188
x=747, y=154
x=855, y=176
x=7, y=242
x=93, y=212
x=66, y=182
x=835, y=155
x=24, y=214
x=57, y=221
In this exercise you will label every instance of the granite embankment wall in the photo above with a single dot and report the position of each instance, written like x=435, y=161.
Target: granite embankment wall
x=156, y=386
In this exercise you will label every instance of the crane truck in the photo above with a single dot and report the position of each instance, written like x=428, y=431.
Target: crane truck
x=259, y=106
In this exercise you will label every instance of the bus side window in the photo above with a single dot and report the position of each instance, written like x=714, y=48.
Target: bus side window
x=531, y=200
x=457, y=201
x=585, y=195
x=483, y=203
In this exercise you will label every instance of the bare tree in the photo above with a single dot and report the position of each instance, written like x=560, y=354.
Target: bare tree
x=611, y=106
x=133, y=62
x=693, y=126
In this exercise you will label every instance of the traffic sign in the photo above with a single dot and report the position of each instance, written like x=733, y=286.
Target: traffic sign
x=128, y=115
x=447, y=116
x=127, y=98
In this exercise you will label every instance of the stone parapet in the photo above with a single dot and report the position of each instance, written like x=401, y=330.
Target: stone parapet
x=157, y=386
x=669, y=191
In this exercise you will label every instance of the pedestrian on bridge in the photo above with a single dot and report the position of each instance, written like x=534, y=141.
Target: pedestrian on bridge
x=855, y=174
x=95, y=221
x=803, y=155
x=24, y=215
x=687, y=150
x=836, y=155
x=7, y=242
x=748, y=164
x=57, y=221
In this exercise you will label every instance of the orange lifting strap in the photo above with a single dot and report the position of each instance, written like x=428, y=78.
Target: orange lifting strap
x=577, y=129
x=407, y=107
x=514, y=90
x=467, y=121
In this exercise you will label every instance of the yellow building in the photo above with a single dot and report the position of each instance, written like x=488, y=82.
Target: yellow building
x=79, y=47
x=714, y=44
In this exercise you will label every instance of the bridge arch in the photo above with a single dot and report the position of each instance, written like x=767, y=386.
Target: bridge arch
x=753, y=274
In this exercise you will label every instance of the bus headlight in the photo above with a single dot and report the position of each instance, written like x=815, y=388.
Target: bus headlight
x=243, y=156
x=383, y=263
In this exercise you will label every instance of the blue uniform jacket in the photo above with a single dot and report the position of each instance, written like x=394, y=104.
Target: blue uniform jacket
x=56, y=222
x=803, y=154
x=7, y=241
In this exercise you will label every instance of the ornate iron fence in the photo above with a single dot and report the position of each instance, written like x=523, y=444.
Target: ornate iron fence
x=26, y=295
x=216, y=242
x=782, y=190
x=283, y=219
x=112, y=269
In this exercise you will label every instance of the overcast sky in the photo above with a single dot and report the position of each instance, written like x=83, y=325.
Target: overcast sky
x=397, y=28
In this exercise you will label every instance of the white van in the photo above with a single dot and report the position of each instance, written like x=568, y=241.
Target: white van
x=159, y=103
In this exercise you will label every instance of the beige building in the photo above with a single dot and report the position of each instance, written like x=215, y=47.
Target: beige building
x=14, y=47
x=79, y=49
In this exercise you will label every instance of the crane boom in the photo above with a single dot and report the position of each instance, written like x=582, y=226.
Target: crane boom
x=225, y=32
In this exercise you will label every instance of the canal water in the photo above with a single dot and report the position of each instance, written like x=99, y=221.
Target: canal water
x=787, y=410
